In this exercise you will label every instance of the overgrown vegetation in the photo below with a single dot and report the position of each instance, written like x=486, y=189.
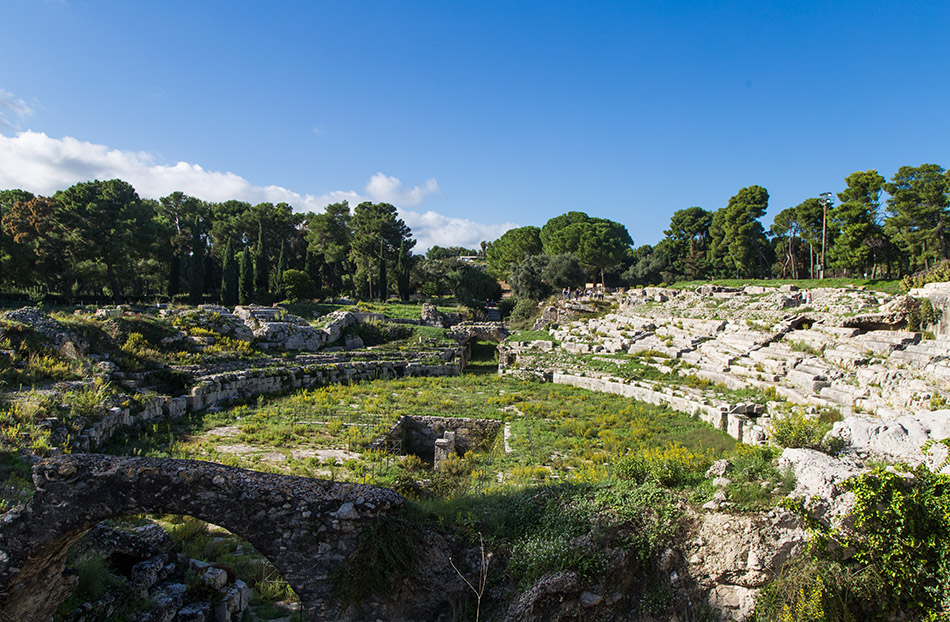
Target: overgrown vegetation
x=796, y=428
x=895, y=559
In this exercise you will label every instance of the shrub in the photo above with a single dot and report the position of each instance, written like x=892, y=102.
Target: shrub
x=94, y=576
x=88, y=400
x=506, y=306
x=386, y=552
x=523, y=312
x=673, y=465
x=796, y=429
x=898, y=564
x=297, y=285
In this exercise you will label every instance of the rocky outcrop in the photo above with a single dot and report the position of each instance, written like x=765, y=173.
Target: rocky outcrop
x=819, y=478
x=274, y=328
x=892, y=316
x=562, y=312
x=54, y=332
x=305, y=527
x=732, y=557
x=899, y=439
x=431, y=316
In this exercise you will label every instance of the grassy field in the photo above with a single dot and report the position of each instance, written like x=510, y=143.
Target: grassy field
x=555, y=434
x=577, y=473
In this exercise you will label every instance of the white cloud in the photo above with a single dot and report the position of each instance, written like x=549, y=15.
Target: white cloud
x=12, y=111
x=431, y=228
x=33, y=161
x=385, y=189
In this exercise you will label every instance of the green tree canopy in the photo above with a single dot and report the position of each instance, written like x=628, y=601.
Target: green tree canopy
x=563, y=270
x=107, y=224
x=738, y=247
x=526, y=278
x=688, y=236
x=918, y=213
x=856, y=221
x=511, y=249
x=379, y=235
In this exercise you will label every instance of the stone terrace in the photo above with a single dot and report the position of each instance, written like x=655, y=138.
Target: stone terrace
x=781, y=342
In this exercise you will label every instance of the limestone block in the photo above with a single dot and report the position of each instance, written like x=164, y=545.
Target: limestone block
x=195, y=612
x=736, y=425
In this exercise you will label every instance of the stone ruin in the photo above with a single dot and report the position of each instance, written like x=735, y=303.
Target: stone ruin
x=435, y=439
x=466, y=332
x=801, y=346
x=305, y=527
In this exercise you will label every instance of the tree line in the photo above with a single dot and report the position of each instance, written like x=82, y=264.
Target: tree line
x=855, y=236
x=99, y=239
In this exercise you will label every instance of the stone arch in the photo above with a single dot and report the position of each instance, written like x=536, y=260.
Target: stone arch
x=305, y=527
x=467, y=332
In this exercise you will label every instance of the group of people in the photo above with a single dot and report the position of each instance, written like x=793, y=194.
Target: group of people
x=577, y=293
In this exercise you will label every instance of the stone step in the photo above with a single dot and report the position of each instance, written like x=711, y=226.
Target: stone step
x=806, y=381
x=932, y=348
x=814, y=367
x=839, y=332
x=846, y=355
x=841, y=395
x=777, y=351
x=917, y=360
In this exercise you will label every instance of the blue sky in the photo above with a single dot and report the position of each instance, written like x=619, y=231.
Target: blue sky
x=473, y=117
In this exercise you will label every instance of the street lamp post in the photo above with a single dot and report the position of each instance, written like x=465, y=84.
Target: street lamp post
x=826, y=200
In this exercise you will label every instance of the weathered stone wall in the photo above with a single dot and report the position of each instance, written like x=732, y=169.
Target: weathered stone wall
x=230, y=386
x=305, y=527
x=733, y=420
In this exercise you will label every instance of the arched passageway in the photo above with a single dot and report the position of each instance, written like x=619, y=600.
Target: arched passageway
x=305, y=527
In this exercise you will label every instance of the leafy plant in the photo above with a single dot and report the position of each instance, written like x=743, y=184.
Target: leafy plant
x=796, y=429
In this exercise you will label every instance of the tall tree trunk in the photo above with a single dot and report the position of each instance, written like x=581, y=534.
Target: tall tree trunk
x=113, y=284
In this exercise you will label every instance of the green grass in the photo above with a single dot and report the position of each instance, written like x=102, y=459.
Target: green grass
x=557, y=432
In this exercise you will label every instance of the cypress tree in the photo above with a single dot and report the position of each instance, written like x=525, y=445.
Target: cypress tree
x=196, y=267
x=229, y=277
x=246, y=278
x=261, y=268
x=281, y=266
x=402, y=271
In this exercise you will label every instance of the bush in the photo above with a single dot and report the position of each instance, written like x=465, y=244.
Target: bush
x=95, y=578
x=673, y=465
x=898, y=563
x=506, y=306
x=523, y=312
x=297, y=285
x=796, y=429
x=526, y=281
